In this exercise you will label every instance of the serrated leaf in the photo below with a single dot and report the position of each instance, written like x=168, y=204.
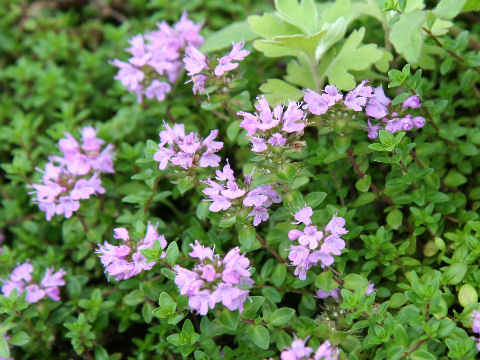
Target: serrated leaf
x=303, y=15
x=352, y=56
x=448, y=9
x=407, y=35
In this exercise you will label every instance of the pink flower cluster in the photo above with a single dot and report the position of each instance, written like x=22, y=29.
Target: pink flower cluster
x=373, y=101
x=214, y=280
x=21, y=279
x=476, y=325
x=225, y=192
x=315, y=245
x=155, y=61
x=298, y=351
x=74, y=176
x=125, y=261
x=335, y=293
x=199, y=69
x=271, y=127
x=187, y=150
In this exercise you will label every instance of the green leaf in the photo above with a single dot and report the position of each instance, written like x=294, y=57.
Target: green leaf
x=355, y=282
x=229, y=319
x=172, y=253
x=352, y=56
x=272, y=294
x=406, y=35
x=386, y=137
x=448, y=9
x=467, y=295
x=306, y=43
x=341, y=143
x=400, y=335
x=454, y=274
x=422, y=355
x=4, y=350
x=223, y=38
x=246, y=237
x=278, y=275
x=471, y=5
x=20, y=338
x=303, y=15
x=134, y=298
x=364, y=199
x=363, y=184
x=278, y=91
x=454, y=179
x=259, y=336
x=270, y=25
x=395, y=218
x=314, y=199
x=281, y=316
x=468, y=149
x=325, y=281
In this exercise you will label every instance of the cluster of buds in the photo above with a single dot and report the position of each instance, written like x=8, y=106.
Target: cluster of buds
x=214, y=280
x=125, y=261
x=156, y=58
x=21, y=279
x=298, y=351
x=377, y=107
x=315, y=245
x=74, y=176
x=187, y=150
x=271, y=128
x=205, y=72
x=225, y=193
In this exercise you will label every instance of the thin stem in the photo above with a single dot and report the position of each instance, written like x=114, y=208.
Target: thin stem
x=412, y=348
x=150, y=199
x=362, y=175
x=82, y=221
x=273, y=252
x=454, y=54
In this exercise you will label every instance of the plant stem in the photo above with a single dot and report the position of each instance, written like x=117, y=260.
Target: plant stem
x=82, y=221
x=273, y=252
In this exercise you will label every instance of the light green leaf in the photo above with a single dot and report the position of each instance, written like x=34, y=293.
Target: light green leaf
x=407, y=35
x=352, y=56
x=223, y=38
x=278, y=91
x=272, y=48
x=229, y=319
x=269, y=25
x=384, y=63
x=336, y=10
x=454, y=274
x=364, y=199
x=298, y=73
x=448, y=9
x=471, y=5
x=303, y=15
x=363, y=184
x=305, y=43
x=334, y=33
x=4, y=350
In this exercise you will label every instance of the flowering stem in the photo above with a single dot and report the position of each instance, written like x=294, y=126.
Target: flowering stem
x=166, y=264
x=150, y=199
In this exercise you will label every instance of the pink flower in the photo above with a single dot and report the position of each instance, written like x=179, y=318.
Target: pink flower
x=297, y=351
x=325, y=352
x=277, y=139
x=293, y=118
x=259, y=214
x=418, y=121
x=195, y=61
x=412, y=102
x=304, y=215
x=357, y=98
x=219, y=202
x=232, y=191
x=157, y=89
x=334, y=294
x=225, y=63
x=314, y=102
x=258, y=144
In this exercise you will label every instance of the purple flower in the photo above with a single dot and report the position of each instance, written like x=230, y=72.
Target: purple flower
x=331, y=95
x=277, y=139
x=186, y=150
x=378, y=105
x=334, y=294
x=74, y=176
x=370, y=289
x=195, y=61
x=199, y=83
x=158, y=89
x=325, y=352
x=293, y=118
x=158, y=53
x=418, y=121
x=476, y=321
x=315, y=245
x=125, y=261
x=297, y=351
x=412, y=102
x=214, y=280
x=259, y=214
x=314, y=102
x=225, y=63
x=357, y=98
x=258, y=144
